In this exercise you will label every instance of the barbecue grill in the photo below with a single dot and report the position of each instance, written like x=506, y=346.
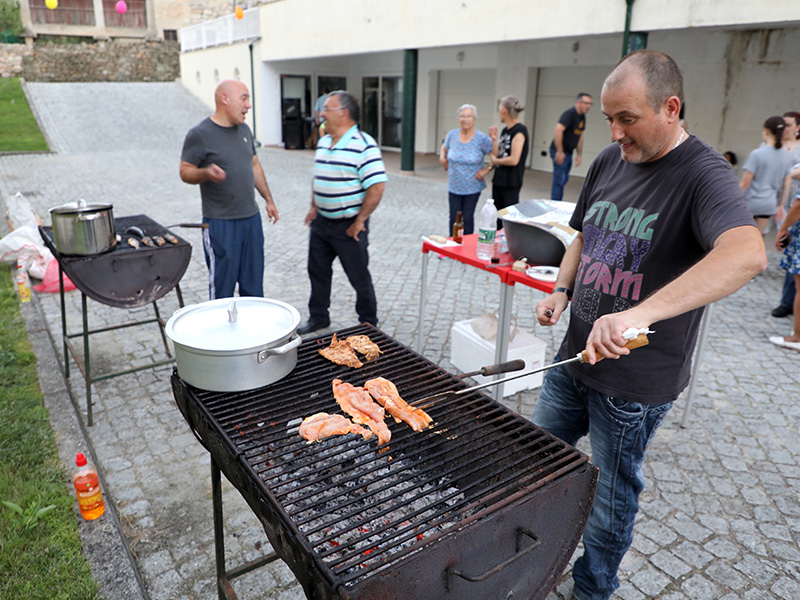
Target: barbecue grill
x=126, y=277
x=484, y=504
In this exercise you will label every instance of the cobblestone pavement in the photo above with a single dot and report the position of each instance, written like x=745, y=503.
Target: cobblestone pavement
x=720, y=516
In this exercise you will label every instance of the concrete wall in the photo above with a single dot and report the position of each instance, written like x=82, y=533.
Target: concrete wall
x=290, y=32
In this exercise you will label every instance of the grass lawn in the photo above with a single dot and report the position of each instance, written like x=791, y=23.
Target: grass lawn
x=18, y=129
x=40, y=558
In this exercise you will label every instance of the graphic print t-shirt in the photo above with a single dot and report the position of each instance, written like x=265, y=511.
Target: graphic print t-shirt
x=643, y=225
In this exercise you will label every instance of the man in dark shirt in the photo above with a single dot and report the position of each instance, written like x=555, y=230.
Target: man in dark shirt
x=219, y=154
x=663, y=231
x=567, y=137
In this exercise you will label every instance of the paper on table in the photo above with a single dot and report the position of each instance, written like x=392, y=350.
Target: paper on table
x=547, y=274
x=447, y=244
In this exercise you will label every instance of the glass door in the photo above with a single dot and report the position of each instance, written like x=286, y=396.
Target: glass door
x=382, y=109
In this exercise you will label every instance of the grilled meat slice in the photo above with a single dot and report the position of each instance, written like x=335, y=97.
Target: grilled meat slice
x=385, y=392
x=363, y=345
x=341, y=353
x=356, y=402
x=321, y=425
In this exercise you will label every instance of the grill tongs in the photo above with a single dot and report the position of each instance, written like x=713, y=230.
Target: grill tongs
x=427, y=401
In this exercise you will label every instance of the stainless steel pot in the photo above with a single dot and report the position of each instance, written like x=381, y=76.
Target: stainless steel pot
x=235, y=344
x=81, y=229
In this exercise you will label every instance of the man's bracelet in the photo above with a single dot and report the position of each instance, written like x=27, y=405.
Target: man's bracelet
x=564, y=290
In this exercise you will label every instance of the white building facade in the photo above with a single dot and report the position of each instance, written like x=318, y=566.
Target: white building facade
x=741, y=63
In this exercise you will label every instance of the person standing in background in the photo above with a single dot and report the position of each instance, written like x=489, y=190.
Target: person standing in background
x=462, y=156
x=219, y=154
x=509, y=153
x=766, y=180
x=791, y=143
x=349, y=179
x=568, y=137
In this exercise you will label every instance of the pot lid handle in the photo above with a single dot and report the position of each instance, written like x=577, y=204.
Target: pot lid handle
x=81, y=203
x=233, y=312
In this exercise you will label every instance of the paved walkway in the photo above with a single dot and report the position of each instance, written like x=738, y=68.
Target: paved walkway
x=719, y=519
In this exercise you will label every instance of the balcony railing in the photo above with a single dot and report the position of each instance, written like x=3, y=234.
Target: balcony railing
x=221, y=31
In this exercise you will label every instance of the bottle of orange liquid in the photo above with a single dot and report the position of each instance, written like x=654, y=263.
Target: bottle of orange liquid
x=87, y=486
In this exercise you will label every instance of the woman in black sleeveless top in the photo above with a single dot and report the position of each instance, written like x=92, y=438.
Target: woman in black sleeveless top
x=511, y=150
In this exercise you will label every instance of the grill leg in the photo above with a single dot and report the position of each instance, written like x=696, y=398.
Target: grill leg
x=86, y=365
x=224, y=588
x=161, y=329
x=63, y=320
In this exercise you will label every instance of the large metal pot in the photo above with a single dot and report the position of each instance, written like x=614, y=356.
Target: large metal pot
x=81, y=229
x=235, y=344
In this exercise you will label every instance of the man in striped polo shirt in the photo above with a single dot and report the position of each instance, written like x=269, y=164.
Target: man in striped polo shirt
x=349, y=179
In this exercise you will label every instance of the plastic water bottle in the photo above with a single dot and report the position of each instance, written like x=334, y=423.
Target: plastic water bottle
x=487, y=229
x=87, y=487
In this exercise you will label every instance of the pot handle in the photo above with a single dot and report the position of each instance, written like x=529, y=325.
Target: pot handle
x=290, y=345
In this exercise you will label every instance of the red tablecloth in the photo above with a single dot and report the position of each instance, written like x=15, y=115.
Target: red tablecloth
x=465, y=253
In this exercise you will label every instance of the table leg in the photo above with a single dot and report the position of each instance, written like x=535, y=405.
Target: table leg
x=423, y=291
x=698, y=357
x=503, y=325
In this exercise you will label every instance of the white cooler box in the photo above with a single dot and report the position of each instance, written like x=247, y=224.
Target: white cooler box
x=470, y=352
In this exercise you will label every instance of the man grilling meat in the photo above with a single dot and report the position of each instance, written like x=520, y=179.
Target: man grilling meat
x=663, y=231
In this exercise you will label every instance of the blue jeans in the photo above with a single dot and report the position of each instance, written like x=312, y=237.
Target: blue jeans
x=619, y=433
x=560, y=175
x=787, y=297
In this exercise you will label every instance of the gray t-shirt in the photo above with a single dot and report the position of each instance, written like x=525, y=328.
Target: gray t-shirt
x=232, y=149
x=769, y=166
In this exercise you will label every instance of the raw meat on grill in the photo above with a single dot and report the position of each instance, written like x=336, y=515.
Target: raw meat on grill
x=357, y=403
x=321, y=425
x=385, y=392
x=363, y=345
x=341, y=353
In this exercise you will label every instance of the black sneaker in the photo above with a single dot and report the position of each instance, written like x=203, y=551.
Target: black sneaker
x=312, y=326
x=781, y=312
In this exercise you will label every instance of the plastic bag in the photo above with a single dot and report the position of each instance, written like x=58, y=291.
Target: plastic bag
x=20, y=213
x=486, y=326
x=25, y=242
x=49, y=283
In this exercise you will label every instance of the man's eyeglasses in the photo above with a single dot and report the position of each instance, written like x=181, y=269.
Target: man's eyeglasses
x=329, y=109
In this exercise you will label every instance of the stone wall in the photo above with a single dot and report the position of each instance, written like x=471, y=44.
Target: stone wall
x=115, y=60
x=11, y=56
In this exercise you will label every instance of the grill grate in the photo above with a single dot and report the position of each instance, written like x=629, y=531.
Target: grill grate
x=357, y=509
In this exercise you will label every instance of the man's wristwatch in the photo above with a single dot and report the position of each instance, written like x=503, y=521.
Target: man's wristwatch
x=564, y=290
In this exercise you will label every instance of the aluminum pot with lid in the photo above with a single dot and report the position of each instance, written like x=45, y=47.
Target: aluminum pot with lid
x=81, y=229
x=235, y=344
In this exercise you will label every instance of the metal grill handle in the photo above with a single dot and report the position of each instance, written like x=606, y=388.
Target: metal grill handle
x=497, y=568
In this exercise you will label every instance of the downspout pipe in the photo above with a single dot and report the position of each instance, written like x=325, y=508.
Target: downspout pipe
x=627, y=34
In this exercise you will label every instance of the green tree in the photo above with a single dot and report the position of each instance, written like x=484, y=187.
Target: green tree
x=10, y=22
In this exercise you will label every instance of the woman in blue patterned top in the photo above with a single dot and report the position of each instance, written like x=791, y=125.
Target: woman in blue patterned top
x=462, y=156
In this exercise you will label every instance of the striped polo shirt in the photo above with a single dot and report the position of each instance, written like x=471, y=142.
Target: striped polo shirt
x=344, y=172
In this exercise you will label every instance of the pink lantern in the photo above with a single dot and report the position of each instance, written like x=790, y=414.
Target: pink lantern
x=121, y=7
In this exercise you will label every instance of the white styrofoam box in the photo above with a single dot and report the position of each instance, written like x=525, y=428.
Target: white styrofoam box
x=470, y=352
